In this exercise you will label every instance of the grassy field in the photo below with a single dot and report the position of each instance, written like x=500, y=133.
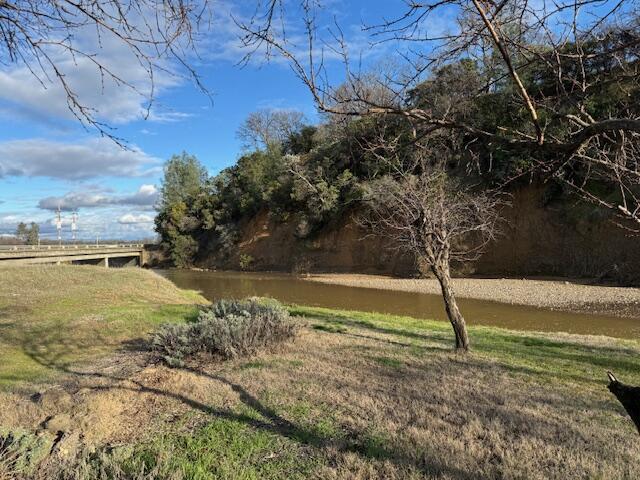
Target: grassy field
x=65, y=314
x=356, y=395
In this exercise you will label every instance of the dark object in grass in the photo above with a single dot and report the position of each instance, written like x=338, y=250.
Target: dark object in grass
x=628, y=396
x=228, y=329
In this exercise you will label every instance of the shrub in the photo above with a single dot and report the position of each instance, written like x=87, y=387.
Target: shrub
x=245, y=261
x=21, y=453
x=228, y=328
x=183, y=251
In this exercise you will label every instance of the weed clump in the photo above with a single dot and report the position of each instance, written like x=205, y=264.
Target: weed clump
x=228, y=329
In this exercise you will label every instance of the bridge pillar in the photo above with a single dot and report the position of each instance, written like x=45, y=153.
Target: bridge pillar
x=104, y=262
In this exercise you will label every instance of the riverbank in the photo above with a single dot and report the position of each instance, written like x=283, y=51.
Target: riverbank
x=355, y=395
x=570, y=296
x=64, y=314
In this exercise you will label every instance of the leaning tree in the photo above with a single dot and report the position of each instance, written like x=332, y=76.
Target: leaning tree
x=427, y=211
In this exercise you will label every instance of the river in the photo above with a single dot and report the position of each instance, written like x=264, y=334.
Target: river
x=295, y=289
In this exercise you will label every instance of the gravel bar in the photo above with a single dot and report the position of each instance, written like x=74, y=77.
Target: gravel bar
x=550, y=294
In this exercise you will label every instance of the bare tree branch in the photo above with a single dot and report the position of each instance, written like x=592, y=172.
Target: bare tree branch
x=555, y=60
x=45, y=35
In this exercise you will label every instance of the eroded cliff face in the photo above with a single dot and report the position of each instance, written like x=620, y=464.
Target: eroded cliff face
x=266, y=244
x=556, y=239
x=561, y=239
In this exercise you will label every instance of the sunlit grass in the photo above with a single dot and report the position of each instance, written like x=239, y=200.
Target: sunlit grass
x=579, y=360
x=224, y=449
x=355, y=395
x=66, y=314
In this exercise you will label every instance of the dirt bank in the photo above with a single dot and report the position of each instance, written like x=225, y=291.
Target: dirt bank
x=539, y=237
x=550, y=294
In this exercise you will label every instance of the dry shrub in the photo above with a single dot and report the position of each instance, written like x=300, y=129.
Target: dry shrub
x=228, y=328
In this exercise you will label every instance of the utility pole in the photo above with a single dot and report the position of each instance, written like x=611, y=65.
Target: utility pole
x=59, y=226
x=74, y=225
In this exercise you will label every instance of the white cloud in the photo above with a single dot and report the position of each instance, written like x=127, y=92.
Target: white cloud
x=73, y=161
x=118, y=99
x=130, y=218
x=116, y=222
x=146, y=196
x=147, y=190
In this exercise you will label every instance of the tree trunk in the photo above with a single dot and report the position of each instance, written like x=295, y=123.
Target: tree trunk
x=443, y=275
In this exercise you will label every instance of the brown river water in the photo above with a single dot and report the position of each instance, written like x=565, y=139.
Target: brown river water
x=294, y=289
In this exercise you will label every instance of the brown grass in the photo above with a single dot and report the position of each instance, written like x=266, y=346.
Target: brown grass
x=373, y=405
x=358, y=396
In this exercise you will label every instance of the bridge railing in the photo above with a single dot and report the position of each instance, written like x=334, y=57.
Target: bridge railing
x=88, y=246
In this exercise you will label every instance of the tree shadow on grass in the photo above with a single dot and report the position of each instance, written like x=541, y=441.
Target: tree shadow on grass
x=268, y=419
x=350, y=333
x=366, y=325
x=622, y=359
x=561, y=361
x=51, y=350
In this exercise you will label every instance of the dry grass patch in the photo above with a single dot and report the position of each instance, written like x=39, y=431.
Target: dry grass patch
x=380, y=397
x=356, y=395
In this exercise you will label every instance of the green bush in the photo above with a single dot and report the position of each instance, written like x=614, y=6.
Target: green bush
x=21, y=453
x=245, y=261
x=183, y=251
x=228, y=328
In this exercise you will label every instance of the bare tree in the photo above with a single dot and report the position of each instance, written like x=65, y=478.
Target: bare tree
x=46, y=36
x=569, y=70
x=435, y=217
x=267, y=128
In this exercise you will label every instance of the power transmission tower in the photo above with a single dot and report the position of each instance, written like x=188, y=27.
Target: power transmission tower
x=74, y=225
x=59, y=225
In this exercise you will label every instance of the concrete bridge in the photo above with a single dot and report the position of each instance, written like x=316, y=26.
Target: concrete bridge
x=117, y=254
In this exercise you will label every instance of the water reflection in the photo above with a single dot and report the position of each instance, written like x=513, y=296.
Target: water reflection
x=293, y=289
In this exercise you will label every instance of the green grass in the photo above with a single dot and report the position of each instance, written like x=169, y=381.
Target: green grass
x=388, y=362
x=21, y=452
x=539, y=356
x=52, y=317
x=224, y=449
x=573, y=363
x=357, y=395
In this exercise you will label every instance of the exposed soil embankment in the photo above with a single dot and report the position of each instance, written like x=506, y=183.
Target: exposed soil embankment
x=550, y=294
x=538, y=238
x=269, y=245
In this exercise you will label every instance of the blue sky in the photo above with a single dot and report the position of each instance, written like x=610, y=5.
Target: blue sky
x=48, y=159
